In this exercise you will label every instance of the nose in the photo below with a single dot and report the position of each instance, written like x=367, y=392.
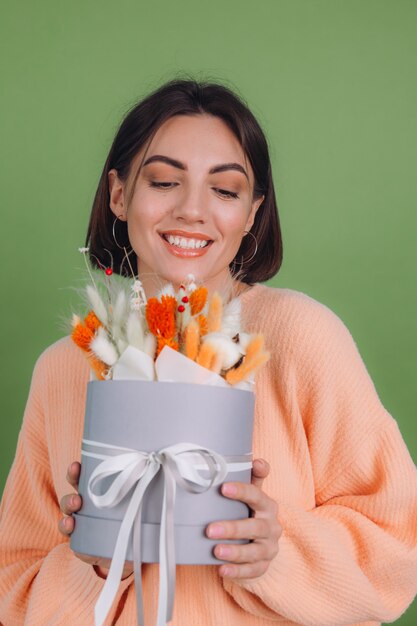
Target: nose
x=191, y=207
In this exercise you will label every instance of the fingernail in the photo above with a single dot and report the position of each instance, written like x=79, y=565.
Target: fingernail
x=227, y=571
x=67, y=522
x=223, y=551
x=215, y=531
x=74, y=500
x=229, y=490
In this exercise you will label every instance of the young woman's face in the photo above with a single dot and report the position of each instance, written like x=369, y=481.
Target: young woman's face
x=191, y=203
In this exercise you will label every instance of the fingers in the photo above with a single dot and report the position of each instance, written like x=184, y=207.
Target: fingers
x=260, y=470
x=251, y=559
x=250, y=528
x=70, y=503
x=248, y=570
x=253, y=496
x=246, y=553
x=66, y=525
x=73, y=474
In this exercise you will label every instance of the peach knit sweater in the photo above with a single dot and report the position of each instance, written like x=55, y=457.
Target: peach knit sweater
x=341, y=473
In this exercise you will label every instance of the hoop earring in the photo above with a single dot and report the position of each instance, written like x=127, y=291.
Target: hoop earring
x=239, y=274
x=114, y=234
x=126, y=257
x=256, y=247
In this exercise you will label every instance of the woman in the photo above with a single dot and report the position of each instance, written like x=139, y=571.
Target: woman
x=187, y=188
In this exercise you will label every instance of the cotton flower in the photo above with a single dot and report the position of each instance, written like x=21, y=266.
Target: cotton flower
x=227, y=350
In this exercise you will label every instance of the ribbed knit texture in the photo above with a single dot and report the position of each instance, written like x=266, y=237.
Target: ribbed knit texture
x=343, y=478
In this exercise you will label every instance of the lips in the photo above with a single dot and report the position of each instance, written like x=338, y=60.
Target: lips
x=186, y=240
x=183, y=243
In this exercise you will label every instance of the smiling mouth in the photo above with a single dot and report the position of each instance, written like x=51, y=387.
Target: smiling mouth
x=186, y=243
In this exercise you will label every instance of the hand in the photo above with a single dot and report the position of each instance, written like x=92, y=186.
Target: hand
x=71, y=503
x=248, y=560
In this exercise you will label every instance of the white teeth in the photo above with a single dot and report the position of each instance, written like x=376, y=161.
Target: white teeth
x=183, y=242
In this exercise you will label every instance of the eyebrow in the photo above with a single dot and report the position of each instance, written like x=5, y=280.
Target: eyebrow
x=223, y=167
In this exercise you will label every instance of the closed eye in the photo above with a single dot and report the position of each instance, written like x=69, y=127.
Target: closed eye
x=161, y=185
x=165, y=185
x=225, y=193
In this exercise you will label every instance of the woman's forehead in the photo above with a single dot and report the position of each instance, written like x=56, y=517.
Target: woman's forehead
x=209, y=130
x=203, y=138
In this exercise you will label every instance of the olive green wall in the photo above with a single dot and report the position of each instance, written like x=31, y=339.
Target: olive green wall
x=333, y=83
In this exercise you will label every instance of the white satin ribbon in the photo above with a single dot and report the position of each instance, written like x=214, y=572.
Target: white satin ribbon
x=132, y=468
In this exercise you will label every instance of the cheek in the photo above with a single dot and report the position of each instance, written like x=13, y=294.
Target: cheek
x=144, y=211
x=233, y=222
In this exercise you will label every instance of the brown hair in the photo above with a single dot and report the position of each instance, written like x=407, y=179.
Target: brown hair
x=190, y=97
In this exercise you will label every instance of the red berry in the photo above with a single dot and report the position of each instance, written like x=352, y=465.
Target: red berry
x=181, y=308
x=184, y=299
x=109, y=271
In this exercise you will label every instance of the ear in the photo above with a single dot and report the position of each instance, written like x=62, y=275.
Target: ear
x=117, y=196
x=255, y=206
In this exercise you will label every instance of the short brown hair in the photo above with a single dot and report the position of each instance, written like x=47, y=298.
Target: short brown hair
x=190, y=97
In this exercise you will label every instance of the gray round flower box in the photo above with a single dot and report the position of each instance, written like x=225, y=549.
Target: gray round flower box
x=148, y=416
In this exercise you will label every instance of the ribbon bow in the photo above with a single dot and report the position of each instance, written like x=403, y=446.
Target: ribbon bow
x=133, y=468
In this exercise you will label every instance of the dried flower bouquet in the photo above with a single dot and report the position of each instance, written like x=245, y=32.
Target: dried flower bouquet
x=204, y=329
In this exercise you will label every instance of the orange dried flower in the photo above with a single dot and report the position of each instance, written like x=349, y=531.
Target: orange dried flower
x=198, y=299
x=202, y=322
x=161, y=316
x=82, y=336
x=164, y=341
x=192, y=339
x=206, y=356
x=214, y=317
x=92, y=322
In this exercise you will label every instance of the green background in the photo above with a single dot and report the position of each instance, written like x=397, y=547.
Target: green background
x=334, y=85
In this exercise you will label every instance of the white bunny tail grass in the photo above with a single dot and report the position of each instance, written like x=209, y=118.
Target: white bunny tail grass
x=134, y=330
x=149, y=345
x=231, y=318
x=97, y=304
x=120, y=308
x=103, y=348
x=119, y=314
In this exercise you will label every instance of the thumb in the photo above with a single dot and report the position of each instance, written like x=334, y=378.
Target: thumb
x=260, y=470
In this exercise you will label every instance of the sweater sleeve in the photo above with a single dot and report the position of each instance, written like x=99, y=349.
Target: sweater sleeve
x=353, y=556
x=41, y=580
